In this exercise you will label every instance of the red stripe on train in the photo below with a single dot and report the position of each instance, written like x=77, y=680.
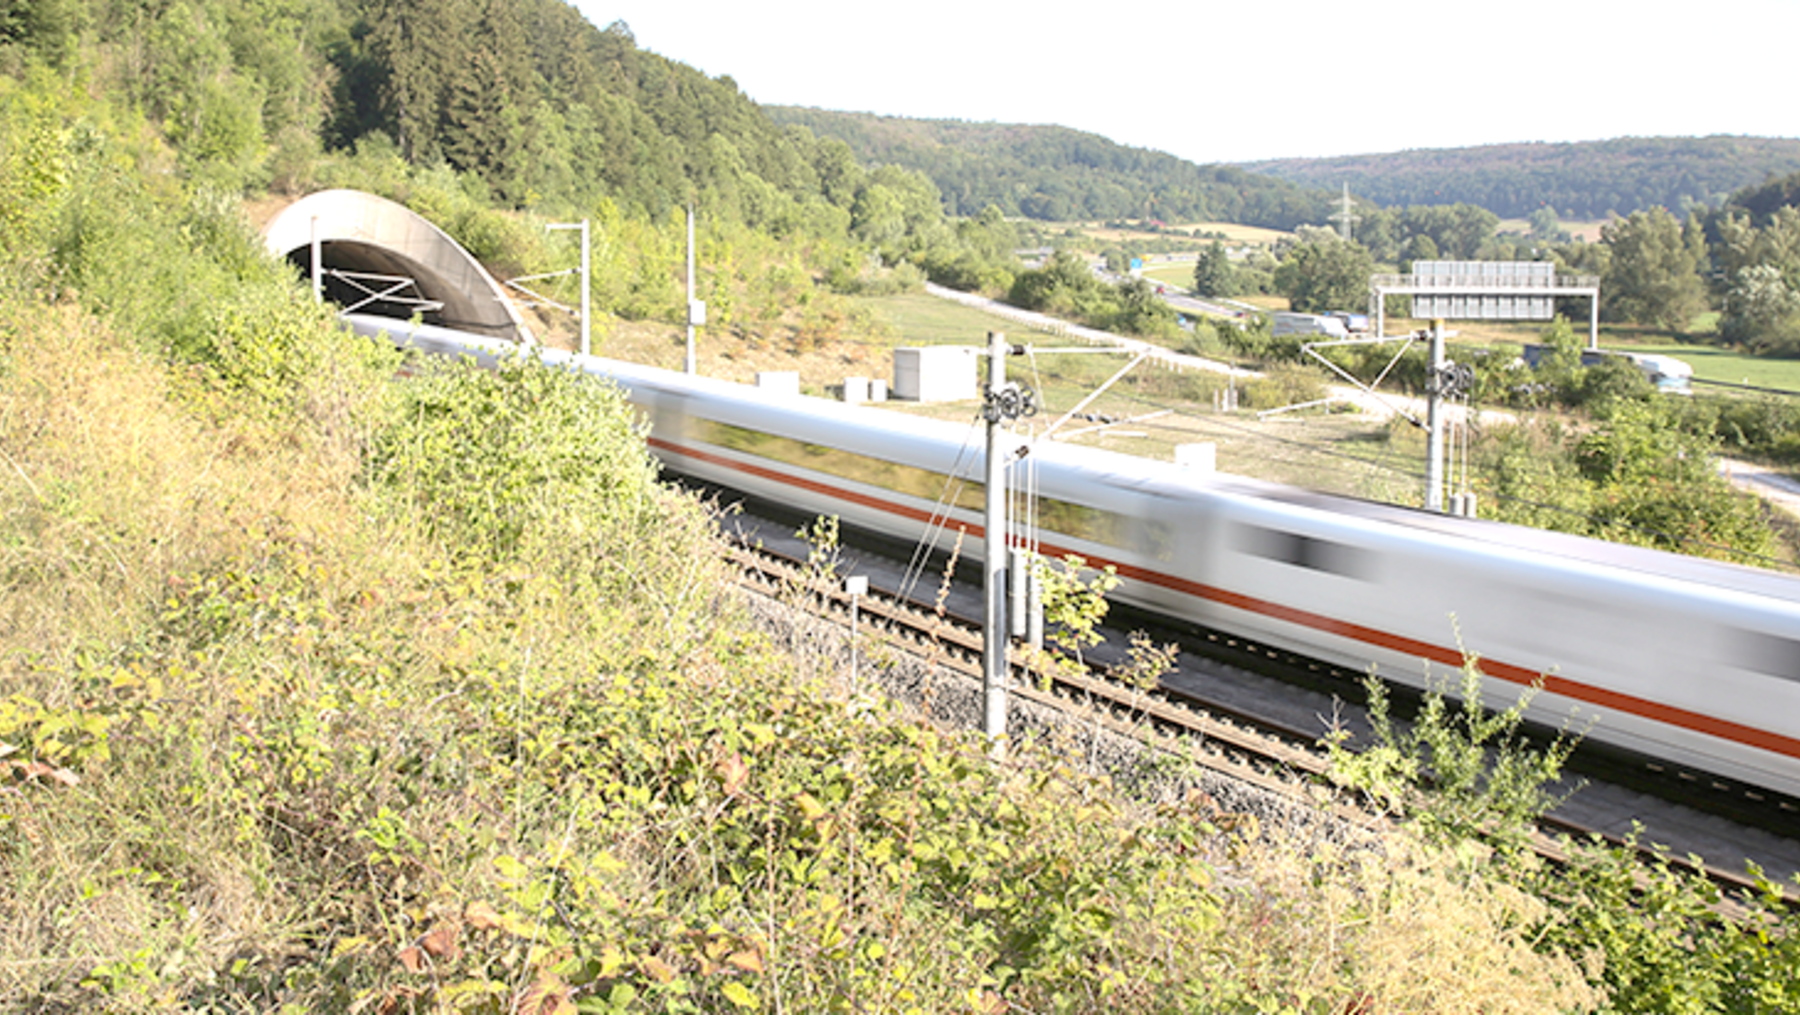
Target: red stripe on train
x=1655, y=711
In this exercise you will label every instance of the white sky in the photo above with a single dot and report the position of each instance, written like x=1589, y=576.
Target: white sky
x=1216, y=81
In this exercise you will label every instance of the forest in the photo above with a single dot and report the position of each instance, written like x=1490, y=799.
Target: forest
x=1575, y=180
x=1055, y=174
x=485, y=115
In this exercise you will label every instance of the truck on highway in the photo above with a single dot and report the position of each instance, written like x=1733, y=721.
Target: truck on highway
x=1307, y=324
x=1665, y=373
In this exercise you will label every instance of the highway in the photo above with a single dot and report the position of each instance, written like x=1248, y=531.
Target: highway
x=1381, y=405
x=1193, y=305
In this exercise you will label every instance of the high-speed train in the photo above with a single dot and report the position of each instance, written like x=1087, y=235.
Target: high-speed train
x=1690, y=661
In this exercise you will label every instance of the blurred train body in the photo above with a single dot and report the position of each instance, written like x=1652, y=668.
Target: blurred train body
x=1693, y=662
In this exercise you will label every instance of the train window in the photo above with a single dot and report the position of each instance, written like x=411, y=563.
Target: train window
x=906, y=479
x=667, y=414
x=1089, y=523
x=1768, y=653
x=1301, y=551
x=1066, y=517
x=1154, y=539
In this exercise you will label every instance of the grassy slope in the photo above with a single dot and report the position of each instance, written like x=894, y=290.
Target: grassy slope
x=284, y=736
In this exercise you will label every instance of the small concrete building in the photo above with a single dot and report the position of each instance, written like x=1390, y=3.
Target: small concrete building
x=935, y=373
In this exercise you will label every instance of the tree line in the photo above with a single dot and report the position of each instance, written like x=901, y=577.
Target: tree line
x=1579, y=180
x=1057, y=174
x=487, y=115
x=1741, y=260
x=461, y=105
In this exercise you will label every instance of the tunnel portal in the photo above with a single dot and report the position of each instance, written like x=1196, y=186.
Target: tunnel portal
x=379, y=257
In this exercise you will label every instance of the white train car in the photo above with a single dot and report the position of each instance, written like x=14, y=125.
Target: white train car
x=1691, y=661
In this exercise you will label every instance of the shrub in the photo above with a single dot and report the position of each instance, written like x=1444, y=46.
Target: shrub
x=1282, y=385
x=1526, y=476
x=1256, y=341
x=870, y=278
x=1462, y=771
x=506, y=463
x=1657, y=936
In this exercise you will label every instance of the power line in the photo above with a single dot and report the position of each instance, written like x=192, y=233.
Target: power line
x=1594, y=521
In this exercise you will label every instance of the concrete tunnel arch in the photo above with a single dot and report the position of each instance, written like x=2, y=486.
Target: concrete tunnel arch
x=361, y=234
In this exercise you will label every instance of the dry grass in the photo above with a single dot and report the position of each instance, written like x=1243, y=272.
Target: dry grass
x=112, y=490
x=120, y=488
x=858, y=350
x=1402, y=928
x=1236, y=232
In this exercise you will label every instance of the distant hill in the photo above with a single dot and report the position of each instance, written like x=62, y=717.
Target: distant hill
x=1058, y=174
x=1577, y=180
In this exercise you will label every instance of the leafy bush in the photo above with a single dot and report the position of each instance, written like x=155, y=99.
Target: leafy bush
x=1066, y=288
x=970, y=269
x=1369, y=362
x=1639, y=474
x=1462, y=771
x=1653, y=937
x=504, y=464
x=1656, y=485
x=869, y=277
x=1256, y=340
x=1526, y=476
x=1660, y=941
x=1765, y=426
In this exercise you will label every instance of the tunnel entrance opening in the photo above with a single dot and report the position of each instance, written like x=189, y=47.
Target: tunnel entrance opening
x=364, y=279
x=379, y=258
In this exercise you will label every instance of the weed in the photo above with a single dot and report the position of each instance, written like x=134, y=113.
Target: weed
x=1460, y=770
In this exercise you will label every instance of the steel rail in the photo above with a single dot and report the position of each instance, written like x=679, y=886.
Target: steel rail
x=1256, y=750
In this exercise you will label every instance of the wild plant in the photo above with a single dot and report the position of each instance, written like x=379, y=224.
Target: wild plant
x=1460, y=770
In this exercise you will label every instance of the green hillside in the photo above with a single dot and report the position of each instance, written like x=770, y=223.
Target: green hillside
x=1579, y=180
x=1058, y=174
x=492, y=117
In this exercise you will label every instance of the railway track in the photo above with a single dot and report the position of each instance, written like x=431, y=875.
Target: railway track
x=1236, y=743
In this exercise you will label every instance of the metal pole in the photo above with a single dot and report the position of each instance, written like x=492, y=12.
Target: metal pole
x=1434, y=442
x=1015, y=591
x=691, y=367
x=994, y=633
x=857, y=586
x=586, y=265
x=1034, y=612
x=318, y=281
x=586, y=317
x=1594, y=321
